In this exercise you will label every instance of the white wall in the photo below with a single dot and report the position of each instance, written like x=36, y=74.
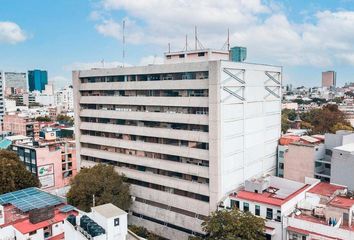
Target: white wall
x=250, y=129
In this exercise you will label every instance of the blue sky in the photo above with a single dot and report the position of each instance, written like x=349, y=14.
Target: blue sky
x=305, y=37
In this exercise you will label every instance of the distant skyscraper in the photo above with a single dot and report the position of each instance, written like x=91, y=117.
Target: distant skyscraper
x=37, y=79
x=15, y=82
x=329, y=79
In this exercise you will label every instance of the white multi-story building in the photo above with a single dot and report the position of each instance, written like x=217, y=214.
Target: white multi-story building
x=64, y=98
x=184, y=133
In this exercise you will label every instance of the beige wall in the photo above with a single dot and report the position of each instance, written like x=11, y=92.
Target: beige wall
x=299, y=162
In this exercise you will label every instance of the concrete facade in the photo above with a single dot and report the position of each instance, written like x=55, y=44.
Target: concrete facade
x=184, y=134
x=300, y=160
x=342, y=167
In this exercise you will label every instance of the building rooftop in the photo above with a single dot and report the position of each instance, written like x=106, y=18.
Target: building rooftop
x=278, y=192
x=342, y=202
x=26, y=226
x=325, y=189
x=17, y=138
x=347, y=147
x=108, y=210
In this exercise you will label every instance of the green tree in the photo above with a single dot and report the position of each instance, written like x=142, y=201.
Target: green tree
x=327, y=119
x=65, y=119
x=287, y=115
x=13, y=173
x=43, y=119
x=101, y=181
x=233, y=225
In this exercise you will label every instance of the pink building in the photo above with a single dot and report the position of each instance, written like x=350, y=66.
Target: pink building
x=19, y=124
x=329, y=79
x=53, y=161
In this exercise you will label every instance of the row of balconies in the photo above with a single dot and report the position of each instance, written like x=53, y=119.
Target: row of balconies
x=148, y=116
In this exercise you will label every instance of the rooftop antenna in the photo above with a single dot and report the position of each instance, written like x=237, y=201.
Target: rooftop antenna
x=227, y=42
x=186, y=42
x=195, y=38
x=169, y=47
x=123, y=57
x=228, y=39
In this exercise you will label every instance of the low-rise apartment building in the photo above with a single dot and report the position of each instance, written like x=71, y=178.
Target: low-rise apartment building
x=53, y=161
x=342, y=165
x=325, y=213
x=270, y=198
x=33, y=214
x=21, y=124
x=310, y=157
x=297, y=211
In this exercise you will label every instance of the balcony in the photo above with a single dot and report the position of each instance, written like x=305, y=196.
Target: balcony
x=200, y=119
x=148, y=85
x=149, y=147
x=147, y=101
x=196, y=136
x=171, y=182
x=168, y=216
x=171, y=199
x=148, y=162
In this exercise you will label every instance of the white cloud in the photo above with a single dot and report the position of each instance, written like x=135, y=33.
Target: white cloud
x=109, y=28
x=324, y=40
x=11, y=33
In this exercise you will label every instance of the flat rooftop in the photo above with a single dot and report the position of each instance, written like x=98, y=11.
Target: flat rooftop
x=108, y=210
x=280, y=191
x=325, y=189
x=346, y=148
x=342, y=202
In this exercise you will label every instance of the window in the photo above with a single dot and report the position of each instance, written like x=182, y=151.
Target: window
x=246, y=207
x=33, y=232
x=201, y=54
x=269, y=213
x=181, y=56
x=281, y=154
x=329, y=152
x=257, y=210
x=116, y=222
x=278, y=216
x=281, y=165
x=235, y=204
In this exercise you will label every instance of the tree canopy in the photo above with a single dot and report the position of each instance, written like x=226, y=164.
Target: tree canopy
x=328, y=119
x=233, y=225
x=101, y=181
x=65, y=119
x=325, y=120
x=13, y=173
x=43, y=119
